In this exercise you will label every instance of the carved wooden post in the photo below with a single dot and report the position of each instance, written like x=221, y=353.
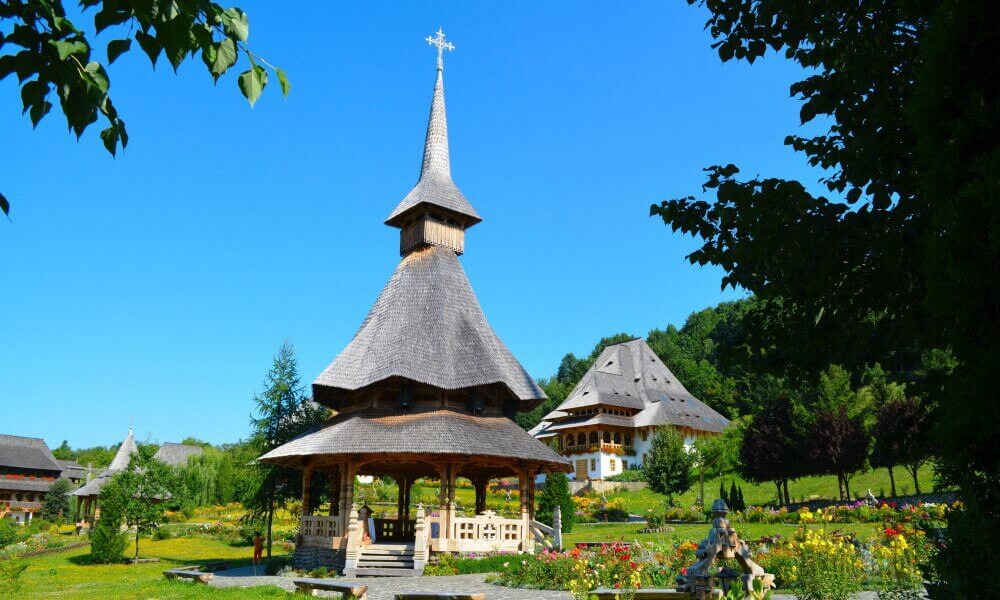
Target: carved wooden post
x=352, y=552
x=523, y=493
x=334, y=492
x=557, y=527
x=452, y=476
x=445, y=475
x=306, y=480
x=420, y=540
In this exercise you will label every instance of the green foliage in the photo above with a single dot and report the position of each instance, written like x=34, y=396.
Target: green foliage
x=207, y=478
x=281, y=412
x=9, y=532
x=107, y=541
x=10, y=577
x=49, y=54
x=56, y=506
x=628, y=475
x=902, y=258
x=668, y=464
x=141, y=490
x=556, y=493
x=64, y=452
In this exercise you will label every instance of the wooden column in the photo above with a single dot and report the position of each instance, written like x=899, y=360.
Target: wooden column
x=406, y=498
x=453, y=475
x=347, y=485
x=306, y=481
x=444, y=472
x=401, y=483
x=334, y=493
x=480, y=484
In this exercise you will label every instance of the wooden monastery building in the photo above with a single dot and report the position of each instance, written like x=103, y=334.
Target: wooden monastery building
x=27, y=471
x=608, y=421
x=425, y=389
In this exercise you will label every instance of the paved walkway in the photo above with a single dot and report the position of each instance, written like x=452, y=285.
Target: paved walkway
x=386, y=588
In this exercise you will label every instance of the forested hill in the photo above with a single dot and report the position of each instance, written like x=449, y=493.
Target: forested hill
x=703, y=354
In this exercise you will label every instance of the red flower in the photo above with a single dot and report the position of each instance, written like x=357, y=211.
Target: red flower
x=890, y=532
x=684, y=571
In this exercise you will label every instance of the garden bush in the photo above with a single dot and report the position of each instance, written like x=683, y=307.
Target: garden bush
x=629, y=475
x=9, y=532
x=10, y=577
x=611, y=515
x=829, y=568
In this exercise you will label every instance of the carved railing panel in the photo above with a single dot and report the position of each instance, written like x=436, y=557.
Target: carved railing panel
x=318, y=530
x=487, y=532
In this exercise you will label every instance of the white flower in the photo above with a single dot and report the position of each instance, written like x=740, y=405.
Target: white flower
x=506, y=564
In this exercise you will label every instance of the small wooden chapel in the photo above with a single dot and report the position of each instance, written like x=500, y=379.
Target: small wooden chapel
x=426, y=389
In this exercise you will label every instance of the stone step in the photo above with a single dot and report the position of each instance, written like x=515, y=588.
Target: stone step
x=381, y=572
x=389, y=546
x=386, y=552
x=392, y=564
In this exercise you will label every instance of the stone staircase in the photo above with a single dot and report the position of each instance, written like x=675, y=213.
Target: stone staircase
x=389, y=559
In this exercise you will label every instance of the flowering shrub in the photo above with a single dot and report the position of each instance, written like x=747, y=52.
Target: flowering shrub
x=858, y=512
x=896, y=563
x=547, y=570
x=829, y=568
x=612, y=566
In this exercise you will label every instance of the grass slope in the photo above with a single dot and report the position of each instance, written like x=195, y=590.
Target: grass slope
x=69, y=575
x=606, y=532
x=806, y=488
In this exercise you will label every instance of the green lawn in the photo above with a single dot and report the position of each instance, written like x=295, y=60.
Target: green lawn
x=68, y=574
x=606, y=532
x=805, y=488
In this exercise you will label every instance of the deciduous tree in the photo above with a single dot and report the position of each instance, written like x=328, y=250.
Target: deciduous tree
x=668, y=466
x=54, y=58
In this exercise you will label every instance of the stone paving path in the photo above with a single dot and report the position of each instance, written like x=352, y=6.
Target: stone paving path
x=386, y=588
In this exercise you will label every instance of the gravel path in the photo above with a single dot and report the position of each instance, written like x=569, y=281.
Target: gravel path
x=386, y=588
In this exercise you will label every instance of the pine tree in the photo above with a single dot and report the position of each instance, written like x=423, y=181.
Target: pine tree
x=556, y=493
x=281, y=412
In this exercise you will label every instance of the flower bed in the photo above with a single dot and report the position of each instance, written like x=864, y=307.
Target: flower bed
x=813, y=563
x=858, y=512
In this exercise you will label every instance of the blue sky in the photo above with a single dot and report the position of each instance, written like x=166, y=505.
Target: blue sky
x=157, y=285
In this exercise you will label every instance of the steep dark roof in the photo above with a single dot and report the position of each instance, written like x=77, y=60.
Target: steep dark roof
x=18, y=452
x=427, y=326
x=176, y=455
x=72, y=469
x=435, y=186
x=440, y=432
x=25, y=485
x=632, y=377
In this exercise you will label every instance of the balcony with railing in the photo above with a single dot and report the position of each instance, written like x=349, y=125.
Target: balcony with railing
x=20, y=505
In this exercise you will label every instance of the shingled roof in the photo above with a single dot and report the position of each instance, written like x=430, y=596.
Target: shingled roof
x=118, y=463
x=72, y=469
x=176, y=455
x=433, y=433
x=632, y=377
x=17, y=452
x=427, y=326
x=435, y=185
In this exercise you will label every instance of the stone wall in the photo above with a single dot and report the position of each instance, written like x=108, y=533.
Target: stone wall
x=598, y=486
x=309, y=558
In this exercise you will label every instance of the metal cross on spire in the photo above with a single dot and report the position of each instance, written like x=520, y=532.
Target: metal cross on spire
x=438, y=42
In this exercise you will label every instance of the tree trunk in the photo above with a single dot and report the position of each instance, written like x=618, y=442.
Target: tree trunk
x=840, y=485
x=781, y=499
x=914, y=469
x=847, y=487
x=701, y=482
x=788, y=499
x=270, y=518
x=892, y=482
x=136, y=561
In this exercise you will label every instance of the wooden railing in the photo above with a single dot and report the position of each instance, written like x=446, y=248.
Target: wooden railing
x=20, y=505
x=390, y=530
x=487, y=532
x=319, y=530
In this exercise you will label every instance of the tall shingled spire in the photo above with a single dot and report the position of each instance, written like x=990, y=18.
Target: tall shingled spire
x=435, y=191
